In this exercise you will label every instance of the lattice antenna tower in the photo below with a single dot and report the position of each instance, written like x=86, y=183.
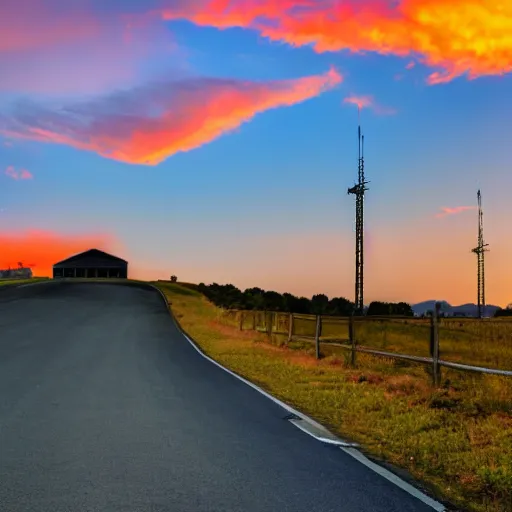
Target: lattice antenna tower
x=480, y=251
x=358, y=190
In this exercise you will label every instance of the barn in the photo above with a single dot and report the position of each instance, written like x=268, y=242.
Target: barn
x=92, y=263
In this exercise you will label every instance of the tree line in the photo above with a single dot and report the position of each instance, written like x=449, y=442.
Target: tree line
x=228, y=296
x=504, y=312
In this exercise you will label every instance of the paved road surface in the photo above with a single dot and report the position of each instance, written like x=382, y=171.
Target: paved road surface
x=104, y=406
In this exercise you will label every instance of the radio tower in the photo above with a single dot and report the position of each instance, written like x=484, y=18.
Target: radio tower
x=358, y=190
x=480, y=251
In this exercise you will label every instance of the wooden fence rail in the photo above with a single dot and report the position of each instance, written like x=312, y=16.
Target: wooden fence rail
x=285, y=324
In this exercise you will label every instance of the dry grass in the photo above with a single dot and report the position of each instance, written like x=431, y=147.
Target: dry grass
x=482, y=343
x=457, y=439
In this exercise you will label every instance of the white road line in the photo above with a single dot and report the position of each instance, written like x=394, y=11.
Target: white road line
x=346, y=447
x=388, y=475
x=330, y=440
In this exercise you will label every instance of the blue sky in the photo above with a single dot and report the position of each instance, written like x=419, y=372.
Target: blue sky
x=231, y=209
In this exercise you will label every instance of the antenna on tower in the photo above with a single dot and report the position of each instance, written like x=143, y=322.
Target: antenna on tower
x=480, y=251
x=358, y=190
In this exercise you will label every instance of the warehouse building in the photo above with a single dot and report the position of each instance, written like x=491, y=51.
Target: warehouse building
x=92, y=263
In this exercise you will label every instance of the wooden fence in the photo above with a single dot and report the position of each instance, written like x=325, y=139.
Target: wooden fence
x=342, y=332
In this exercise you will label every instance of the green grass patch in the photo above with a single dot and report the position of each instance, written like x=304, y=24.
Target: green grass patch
x=17, y=282
x=457, y=439
x=177, y=289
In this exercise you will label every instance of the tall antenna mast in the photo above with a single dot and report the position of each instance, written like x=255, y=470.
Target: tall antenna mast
x=480, y=251
x=358, y=190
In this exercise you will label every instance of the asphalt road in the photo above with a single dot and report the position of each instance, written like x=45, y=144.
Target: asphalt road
x=104, y=406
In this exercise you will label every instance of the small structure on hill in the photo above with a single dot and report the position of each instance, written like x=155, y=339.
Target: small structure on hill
x=91, y=264
x=21, y=272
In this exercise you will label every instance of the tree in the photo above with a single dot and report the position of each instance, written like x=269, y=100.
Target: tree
x=254, y=299
x=504, y=312
x=339, y=306
x=174, y=279
x=377, y=308
x=319, y=304
x=402, y=309
x=273, y=301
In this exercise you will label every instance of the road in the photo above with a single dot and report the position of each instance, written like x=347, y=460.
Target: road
x=104, y=406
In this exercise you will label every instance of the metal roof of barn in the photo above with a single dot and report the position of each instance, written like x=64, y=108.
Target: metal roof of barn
x=91, y=258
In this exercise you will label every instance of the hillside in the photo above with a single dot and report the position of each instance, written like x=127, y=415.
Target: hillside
x=464, y=309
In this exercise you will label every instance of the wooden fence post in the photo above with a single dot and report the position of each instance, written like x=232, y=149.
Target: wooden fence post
x=242, y=318
x=290, y=327
x=434, y=345
x=318, y=333
x=254, y=320
x=352, y=338
x=271, y=324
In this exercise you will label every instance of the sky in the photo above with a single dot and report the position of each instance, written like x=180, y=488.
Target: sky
x=216, y=140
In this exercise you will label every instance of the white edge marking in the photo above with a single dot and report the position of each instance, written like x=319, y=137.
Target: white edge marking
x=343, y=445
x=297, y=423
x=388, y=475
x=249, y=383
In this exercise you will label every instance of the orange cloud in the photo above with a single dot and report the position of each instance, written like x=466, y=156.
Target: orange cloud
x=42, y=249
x=455, y=37
x=453, y=211
x=149, y=124
x=22, y=174
x=369, y=102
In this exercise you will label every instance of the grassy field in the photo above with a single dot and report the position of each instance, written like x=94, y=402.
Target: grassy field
x=14, y=282
x=457, y=439
x=482, y=343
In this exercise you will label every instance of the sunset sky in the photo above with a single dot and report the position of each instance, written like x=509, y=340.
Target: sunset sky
x=216, y=140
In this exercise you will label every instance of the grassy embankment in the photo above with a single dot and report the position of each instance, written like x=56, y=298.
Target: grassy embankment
x=15, y=282
x=457, y=439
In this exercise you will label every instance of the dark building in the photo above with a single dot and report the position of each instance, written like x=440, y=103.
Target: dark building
x=92, y=263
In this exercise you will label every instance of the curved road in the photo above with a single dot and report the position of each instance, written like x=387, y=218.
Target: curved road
x=104, y=406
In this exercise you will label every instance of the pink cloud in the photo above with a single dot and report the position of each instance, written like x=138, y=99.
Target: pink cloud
x=410, y=65
x=369, y=102
x=454, y=210
x=359, y=101
x=148, y=124
x=33, y=24
x=22, y=174
x=56, y=46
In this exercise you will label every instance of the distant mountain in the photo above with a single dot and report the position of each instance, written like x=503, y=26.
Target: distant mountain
x=423, y=307
x=464, y=309
x=472, y=310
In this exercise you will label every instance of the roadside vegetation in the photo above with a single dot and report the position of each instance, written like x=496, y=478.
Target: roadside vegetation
x=486, y=343
x=17, y=282
x=457, y=439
